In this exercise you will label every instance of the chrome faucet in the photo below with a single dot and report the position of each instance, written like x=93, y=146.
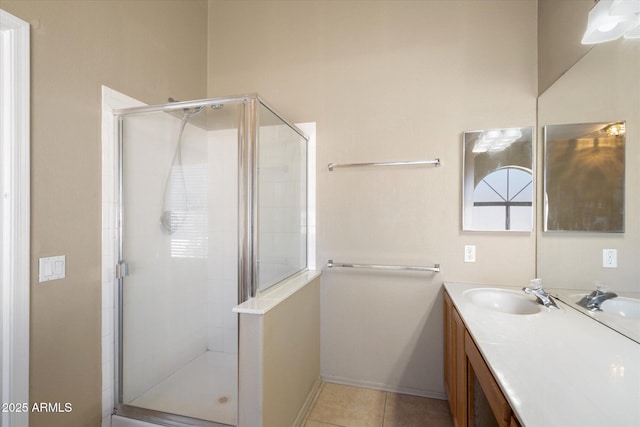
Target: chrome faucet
x=543, y=297
x=593, y=301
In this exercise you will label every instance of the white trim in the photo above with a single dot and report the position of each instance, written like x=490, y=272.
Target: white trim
x=310, y=130
x=431, y=394
x=14, y=143
x=309, y=402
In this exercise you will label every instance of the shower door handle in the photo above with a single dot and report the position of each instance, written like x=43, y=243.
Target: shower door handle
x=122, y=270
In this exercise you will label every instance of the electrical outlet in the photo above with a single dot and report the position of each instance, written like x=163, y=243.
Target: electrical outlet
x=469, y=253
x=609, y=258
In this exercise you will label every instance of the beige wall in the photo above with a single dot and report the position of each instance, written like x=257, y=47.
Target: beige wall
x=147, y=49
x=561, y=24
x=389, y=80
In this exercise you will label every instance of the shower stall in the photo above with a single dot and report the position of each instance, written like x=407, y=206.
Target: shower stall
x=212, y=209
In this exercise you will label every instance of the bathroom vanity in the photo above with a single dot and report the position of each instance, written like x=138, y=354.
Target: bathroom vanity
x=509, y=361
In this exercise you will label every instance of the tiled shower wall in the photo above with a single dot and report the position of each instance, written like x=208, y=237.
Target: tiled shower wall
x=222, y=279
x=282, y=214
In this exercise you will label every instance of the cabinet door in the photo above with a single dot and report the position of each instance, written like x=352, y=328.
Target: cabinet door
x=460, y=370
x=449, y=352
x=479, y=373
x=455, y=363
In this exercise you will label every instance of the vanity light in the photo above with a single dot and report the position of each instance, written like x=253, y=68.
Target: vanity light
x=611, y=19
x=634, y=33
x=628, y=8
x=625, y=7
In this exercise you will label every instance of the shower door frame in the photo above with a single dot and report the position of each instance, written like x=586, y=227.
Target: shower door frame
x=247, y=232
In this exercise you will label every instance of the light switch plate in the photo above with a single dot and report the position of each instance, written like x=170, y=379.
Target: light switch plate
x=52, y=268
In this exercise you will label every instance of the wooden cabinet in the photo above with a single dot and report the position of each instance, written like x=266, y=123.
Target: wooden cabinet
x=475, y=399
x=478, y=374
x=455, y=372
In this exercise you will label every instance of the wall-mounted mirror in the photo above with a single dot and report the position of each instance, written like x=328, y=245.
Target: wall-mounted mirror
x=602, y=87
x=584, y=177
x=497, y=180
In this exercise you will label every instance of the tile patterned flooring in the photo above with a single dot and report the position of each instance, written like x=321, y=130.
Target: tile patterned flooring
x=346, y=406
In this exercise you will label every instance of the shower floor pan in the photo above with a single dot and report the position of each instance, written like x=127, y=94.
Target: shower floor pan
x=206, y=388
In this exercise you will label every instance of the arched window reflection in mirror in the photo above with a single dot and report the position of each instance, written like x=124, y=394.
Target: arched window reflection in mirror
x=503, y=198
x=498, y=180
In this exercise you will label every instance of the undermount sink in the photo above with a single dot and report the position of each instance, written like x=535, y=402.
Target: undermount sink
x=503, y=301
x=621, y=306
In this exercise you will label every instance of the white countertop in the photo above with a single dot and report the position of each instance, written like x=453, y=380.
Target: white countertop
x=628, y=326
x=556, y=367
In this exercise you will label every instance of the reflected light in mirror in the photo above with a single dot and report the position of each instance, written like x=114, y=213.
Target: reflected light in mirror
x=615, y=129
x=496, y=140
x=584, y=177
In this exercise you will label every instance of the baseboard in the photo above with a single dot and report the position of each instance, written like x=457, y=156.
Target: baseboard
x=431, y=394
x=308, y=403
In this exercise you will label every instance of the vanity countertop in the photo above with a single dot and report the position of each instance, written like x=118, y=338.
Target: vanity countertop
x=556, y=367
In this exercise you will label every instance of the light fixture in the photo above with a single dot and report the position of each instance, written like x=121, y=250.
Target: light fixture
x=625, y=7
x=612, y=19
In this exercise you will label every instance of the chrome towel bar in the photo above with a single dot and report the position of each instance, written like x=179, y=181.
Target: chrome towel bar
x=332, y=264
x=435, y=162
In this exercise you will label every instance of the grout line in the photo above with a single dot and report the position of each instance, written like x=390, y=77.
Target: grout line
x=315, y=400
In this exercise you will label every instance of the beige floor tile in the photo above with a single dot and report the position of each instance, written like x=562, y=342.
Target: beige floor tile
x=402, y=410
x=348, y=406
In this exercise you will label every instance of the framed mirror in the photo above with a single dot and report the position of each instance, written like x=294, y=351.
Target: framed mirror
x=584, y=177
x=497, y=180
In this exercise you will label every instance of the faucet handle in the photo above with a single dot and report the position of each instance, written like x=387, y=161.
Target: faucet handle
x=601, y=287
x=535, y=284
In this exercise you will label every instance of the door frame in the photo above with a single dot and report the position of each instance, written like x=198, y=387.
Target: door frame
x=15, y=218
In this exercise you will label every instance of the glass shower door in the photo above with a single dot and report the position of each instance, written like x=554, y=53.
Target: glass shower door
x=179, y=215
